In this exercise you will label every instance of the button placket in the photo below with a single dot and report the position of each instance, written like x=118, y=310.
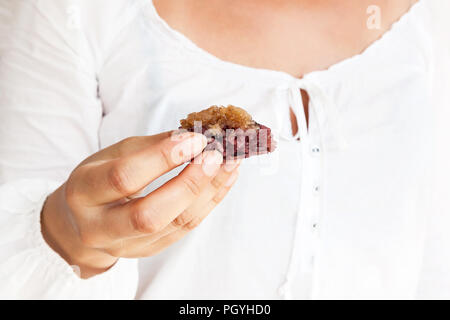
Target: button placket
x=317, y=149
x=305, y=237
x=315, y=190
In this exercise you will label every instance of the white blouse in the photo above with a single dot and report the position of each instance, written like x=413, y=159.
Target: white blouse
x=341, y=213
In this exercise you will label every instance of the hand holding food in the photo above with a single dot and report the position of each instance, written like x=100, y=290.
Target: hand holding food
x=98, y=216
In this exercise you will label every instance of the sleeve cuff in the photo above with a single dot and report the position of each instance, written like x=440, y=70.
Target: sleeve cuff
x=31, y=264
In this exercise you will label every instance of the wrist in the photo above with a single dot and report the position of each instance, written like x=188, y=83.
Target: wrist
x=61, y=236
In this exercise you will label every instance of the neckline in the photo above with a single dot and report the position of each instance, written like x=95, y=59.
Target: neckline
x=190, y=45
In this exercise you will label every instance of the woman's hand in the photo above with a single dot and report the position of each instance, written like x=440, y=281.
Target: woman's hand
x=97, y=216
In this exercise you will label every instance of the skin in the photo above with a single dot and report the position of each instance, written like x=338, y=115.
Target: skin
x=98, y=215
x=294, y=36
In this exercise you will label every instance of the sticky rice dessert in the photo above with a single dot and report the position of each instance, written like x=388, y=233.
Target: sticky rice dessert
x=230, y=130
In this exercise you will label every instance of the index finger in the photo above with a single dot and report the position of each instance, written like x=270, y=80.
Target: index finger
x=154, y=212
x=105, y=181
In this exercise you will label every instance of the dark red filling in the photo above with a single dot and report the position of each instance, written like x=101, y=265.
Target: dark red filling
x=238, y=143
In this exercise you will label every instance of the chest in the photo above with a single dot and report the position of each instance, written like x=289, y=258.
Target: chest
x=295, y=37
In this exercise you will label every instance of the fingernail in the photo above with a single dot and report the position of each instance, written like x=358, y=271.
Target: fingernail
x=232, y=179
x=211, y=162
x=230, y=165
x=190, y=145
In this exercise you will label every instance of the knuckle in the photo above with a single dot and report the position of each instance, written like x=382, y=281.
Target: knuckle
x=191, y=225
x=143, y=221
x=192, y=185
x=219, y=197
x=166, y=157
x=216, y=183
x=183, y=219
x=71, y=193
x=127, y=143
x=118, y=251
x=119, y=179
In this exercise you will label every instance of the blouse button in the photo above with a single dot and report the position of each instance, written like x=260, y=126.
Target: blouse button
x=316, y=190
x=315, y=150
